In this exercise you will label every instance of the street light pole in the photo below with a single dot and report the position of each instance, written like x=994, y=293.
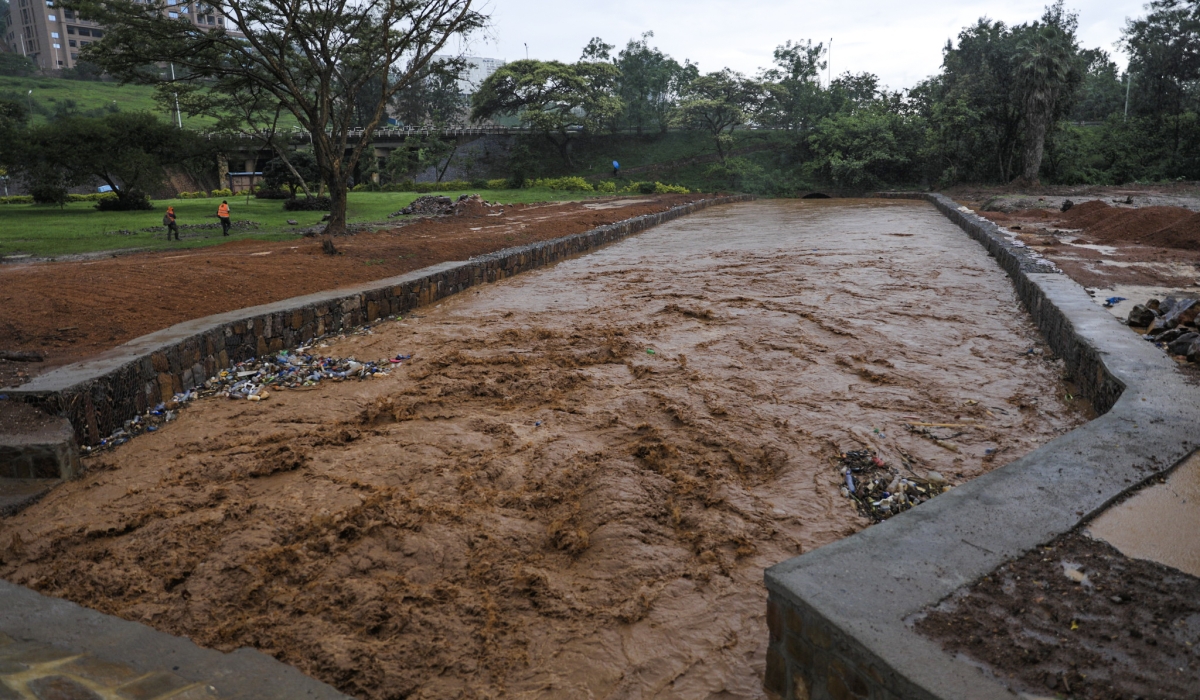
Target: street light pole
x=1128, y=84
x=526, y=50
x=178, y=116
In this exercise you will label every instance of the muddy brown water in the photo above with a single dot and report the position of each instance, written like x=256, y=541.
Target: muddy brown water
x=1151, y=524
x=573, y=488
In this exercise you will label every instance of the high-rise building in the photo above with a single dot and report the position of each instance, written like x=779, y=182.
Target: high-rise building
x=52, y=36
x=478, y=70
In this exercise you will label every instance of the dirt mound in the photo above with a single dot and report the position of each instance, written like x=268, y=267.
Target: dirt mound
x=1033, y=214
x=1087, y=214
x=1184, y=234
x=1130, y=225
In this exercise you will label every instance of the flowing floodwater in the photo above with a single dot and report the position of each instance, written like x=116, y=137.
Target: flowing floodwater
x=573, y=488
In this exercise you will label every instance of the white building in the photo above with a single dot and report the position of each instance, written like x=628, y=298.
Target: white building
x=478, y=70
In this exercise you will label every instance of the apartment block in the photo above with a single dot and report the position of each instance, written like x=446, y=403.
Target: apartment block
x=52, y=36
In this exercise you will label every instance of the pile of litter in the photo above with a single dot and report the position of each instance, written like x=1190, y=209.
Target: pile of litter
x=253, y=380
x=1171, y=324
x=878, y=491
x=433, y=205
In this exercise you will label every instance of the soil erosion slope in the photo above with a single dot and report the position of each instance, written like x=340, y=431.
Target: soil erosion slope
x=573, y=487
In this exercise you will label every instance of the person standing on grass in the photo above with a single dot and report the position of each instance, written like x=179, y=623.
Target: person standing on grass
x=169, y=220
x=223, y=215
x=616, y=168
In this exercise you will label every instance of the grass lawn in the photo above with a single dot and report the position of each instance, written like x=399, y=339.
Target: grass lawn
x=48, y=231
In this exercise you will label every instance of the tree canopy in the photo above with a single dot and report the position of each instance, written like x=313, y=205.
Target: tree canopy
x=315, y=59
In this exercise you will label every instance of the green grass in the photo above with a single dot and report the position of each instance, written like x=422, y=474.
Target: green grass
x=89, y=95
x=48, y=231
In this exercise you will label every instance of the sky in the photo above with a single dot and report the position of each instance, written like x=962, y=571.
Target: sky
x=901, y=42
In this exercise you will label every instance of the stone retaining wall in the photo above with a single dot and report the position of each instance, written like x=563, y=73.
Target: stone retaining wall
x=99, y=395
x=840, y=616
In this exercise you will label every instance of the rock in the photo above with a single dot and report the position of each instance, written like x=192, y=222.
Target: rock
x=1181, y=344
x=293, y=222
x=1193, y=351
x=934, y=477
x=1154, y=305
x=1157, y=327
x=1169, y=336
x=1182, y=312
x=1141, y=316
x=1165, y=306
x=1067, y=204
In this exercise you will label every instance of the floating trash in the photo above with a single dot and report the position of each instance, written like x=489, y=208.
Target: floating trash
x=880, y=492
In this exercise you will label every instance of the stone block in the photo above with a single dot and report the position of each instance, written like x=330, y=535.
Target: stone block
x=31, y=653
x=774, y=620
x=297, y=319
x=800, y=652
x=97, y=671
x=775, y=678
x=261, y=348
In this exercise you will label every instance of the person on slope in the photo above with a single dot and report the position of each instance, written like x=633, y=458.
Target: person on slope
x=169, y=222
x=223, y=215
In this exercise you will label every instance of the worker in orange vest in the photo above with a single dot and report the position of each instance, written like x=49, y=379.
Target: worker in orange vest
x=169, y=221
x=223, y=215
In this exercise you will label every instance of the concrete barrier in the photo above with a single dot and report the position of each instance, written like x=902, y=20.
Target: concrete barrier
x=839, y=617
x=99, y=394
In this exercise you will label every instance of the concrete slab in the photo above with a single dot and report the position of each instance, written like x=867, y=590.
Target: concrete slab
x=35, y=445
x=16, y=494
x=40, y=635
x=839, y=615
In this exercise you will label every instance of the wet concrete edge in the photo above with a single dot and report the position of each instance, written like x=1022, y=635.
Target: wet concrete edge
x=98, y=394
x=838, y=616
x=244, y=674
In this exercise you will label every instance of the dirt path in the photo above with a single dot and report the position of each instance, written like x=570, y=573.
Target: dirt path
x=574, y=486
x=71, y=310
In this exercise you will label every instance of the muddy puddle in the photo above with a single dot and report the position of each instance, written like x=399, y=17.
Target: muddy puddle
x=1148, y=524
x=574, y=486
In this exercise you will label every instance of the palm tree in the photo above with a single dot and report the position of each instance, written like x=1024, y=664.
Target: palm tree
x=1047, y=70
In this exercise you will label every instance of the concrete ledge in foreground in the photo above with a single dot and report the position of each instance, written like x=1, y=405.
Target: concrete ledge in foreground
x=837, y=615
x=54, y=648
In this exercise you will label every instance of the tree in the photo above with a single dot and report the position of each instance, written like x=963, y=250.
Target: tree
x=293, y=172
x=16, y=65
x=793, y=97
x=1047, y=73
x=719, y=103
x=313, y=57
x=649, y=84
x=558, y=99
x=1102, y=92
x=128, y=151
x=433, y=98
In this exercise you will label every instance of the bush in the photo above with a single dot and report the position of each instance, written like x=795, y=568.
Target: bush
x=271, y=193
x=497, y=184
x=48, y=193
x=221, y=193
x=608, y=186
x=516, y=182
x=193, y=195
x=12, y=64
x=660, y=188
x=365, y=187
x=17, y=199
x=308, y=204
x=646, y=187
x=566, y=184
x=132, y=201
x=92, y=197
x=479, y=184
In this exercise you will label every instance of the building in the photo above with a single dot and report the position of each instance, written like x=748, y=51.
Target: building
x=478, y=70
x=52, y=36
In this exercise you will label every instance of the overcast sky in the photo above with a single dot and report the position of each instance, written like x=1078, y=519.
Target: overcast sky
x=901, y=42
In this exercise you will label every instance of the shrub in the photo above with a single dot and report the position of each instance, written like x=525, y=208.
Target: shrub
x=132, y=201
x=308, y=204
x=608, y=186
x=401, y=186
x=517, y=182
x=479, y=184
x=221, y=193
x=48, y=193
x=270, y=193
x=567, y=184
x=193, y=195
x=92, y=197
x=660, y=188
x=17, y=199
x=646, y=187
x=497, y=184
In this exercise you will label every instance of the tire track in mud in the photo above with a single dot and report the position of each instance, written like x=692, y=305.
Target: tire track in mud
x=573, y=488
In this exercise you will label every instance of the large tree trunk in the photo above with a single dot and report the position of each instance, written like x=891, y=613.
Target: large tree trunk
x=1037, y=120
x=337, y=212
